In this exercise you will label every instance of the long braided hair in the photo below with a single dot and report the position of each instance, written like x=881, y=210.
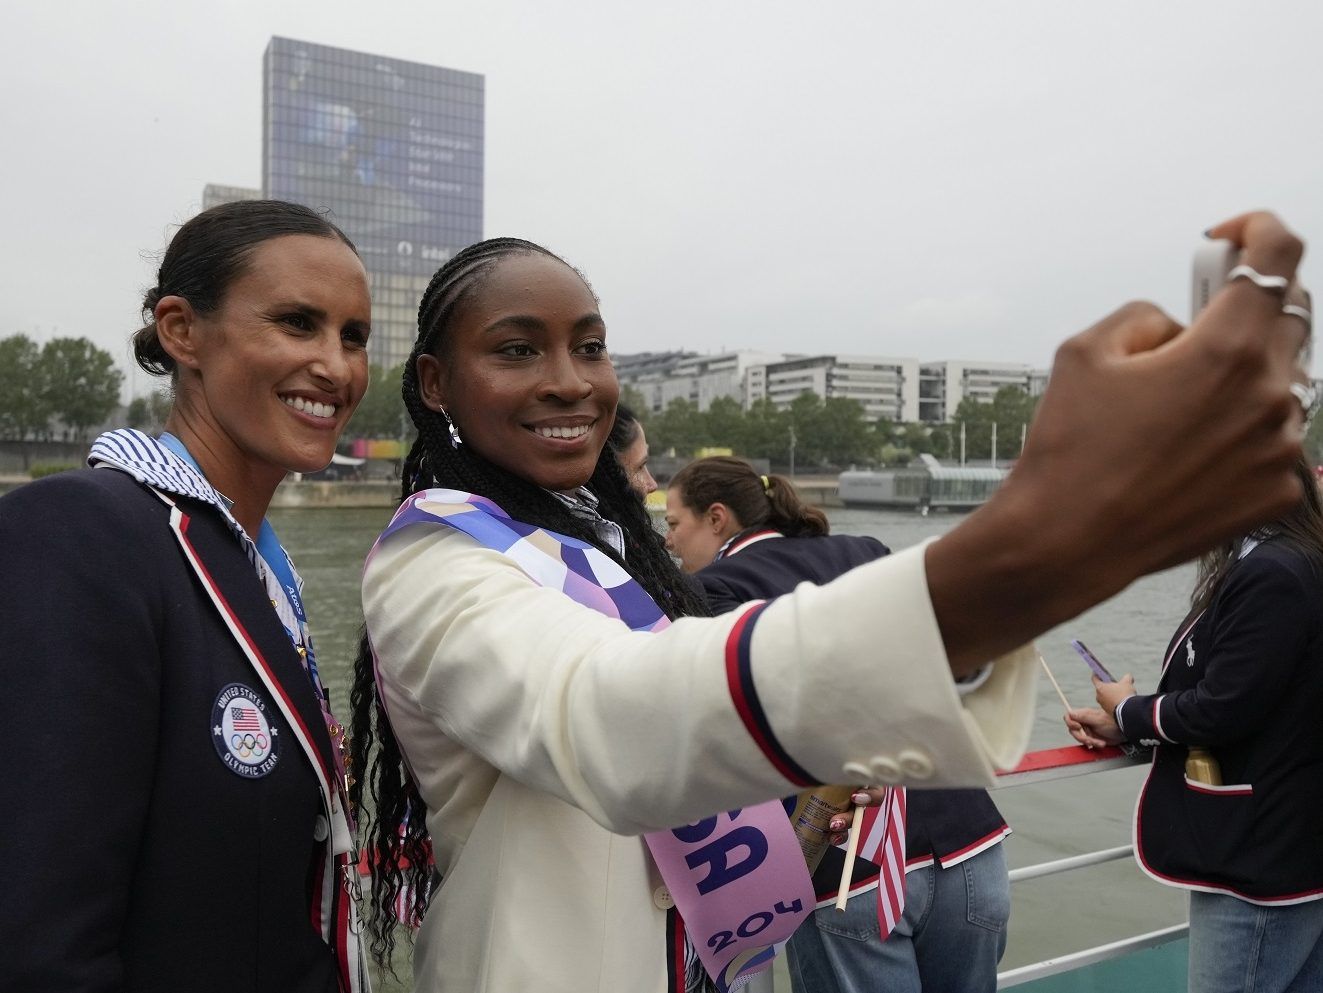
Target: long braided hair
x=393, y=825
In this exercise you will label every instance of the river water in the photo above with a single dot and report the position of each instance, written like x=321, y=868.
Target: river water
x=1050, y=916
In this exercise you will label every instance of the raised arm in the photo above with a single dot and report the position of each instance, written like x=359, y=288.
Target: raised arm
x=1135, y=461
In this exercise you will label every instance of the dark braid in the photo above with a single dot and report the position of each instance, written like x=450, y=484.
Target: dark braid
x=395, y=831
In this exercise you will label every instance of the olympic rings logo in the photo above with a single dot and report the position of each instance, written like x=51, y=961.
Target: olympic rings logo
x=249, y=745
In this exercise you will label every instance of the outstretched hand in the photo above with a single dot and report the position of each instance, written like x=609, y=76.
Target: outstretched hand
x=1152, y=443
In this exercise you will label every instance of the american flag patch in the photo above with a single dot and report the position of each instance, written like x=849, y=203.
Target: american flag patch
x=245, y=719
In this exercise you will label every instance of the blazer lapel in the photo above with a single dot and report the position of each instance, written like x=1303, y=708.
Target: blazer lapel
x=234, y=589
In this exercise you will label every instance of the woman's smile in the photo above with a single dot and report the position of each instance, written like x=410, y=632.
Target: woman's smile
x=524, y=375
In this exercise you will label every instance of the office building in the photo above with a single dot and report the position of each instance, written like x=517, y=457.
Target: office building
x=885, y=387
x=942, y=385
x=393, y=151
x=661, y=377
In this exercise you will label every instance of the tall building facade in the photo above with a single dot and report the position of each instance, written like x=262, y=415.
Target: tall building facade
x=942, y=385
x=885, y=387
x=392, y=150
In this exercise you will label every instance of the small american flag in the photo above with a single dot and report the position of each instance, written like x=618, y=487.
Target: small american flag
x=245, y=719
x=882, y=840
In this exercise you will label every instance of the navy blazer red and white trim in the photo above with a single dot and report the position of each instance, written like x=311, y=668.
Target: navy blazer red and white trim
x=125, y=616
x=1245, y=680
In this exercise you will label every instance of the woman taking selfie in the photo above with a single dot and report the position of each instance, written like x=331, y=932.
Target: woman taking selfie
x=173, y=769
x=535, y=712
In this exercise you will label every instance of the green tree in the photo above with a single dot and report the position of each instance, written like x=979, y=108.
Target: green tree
x=138, y=413
x=804, y=415
x=940, y=442
x=636, y=402
x=381, y=413
x=79, y=382
x=681, y=426
x=766, y=431
x=1011, y=410
x=23, y=406
x=149, y=412
x=726, y=424
x=844, y=434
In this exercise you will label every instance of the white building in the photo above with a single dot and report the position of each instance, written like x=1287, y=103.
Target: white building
x=661, y=377
x=942, y=385
x=898, y=389
x=885, y=387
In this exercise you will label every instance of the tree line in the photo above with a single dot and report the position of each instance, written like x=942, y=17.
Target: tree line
x=60, y=389
x=70, y=385
x=834, y=433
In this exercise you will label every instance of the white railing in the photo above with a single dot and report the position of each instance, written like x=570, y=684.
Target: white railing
x=1065, y=763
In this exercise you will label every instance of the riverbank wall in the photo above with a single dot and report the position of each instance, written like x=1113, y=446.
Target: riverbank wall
x=819, y=491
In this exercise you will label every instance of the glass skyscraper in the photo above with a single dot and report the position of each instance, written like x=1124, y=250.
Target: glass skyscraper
x=393, y=150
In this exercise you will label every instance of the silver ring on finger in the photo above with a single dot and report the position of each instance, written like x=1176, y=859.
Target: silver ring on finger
x=1276, y=285
x=1305, y=395
x=1295, y=310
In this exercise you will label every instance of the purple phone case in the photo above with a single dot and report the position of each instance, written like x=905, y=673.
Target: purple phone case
x=1099, y=669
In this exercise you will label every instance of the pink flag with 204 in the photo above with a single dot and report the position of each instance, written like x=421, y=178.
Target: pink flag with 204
x=740, y=884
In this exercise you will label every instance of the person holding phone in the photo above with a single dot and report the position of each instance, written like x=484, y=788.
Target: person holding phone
x=1230, y=807
x=534, y=719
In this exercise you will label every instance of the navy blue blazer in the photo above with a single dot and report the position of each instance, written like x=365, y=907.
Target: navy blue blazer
x=138, y=858
x=945, y=826
x=1245, y=681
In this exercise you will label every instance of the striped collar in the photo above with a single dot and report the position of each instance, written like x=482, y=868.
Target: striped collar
x=149, y=461
x=743, y=540
x=153, y=464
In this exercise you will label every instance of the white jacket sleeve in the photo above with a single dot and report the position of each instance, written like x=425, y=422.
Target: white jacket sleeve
x=842, y=683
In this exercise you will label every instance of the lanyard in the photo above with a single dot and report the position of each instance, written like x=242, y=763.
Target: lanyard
x=276, y=559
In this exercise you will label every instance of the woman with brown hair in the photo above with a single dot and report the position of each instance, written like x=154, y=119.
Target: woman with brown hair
x=1230, y=808
x=953, y=929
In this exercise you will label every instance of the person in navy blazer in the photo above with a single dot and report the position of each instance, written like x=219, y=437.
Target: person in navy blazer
x=1230, y=809
x=171, y=776
x=749, y=537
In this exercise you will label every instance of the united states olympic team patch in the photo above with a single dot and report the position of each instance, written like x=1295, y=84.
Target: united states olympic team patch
x=244, y=738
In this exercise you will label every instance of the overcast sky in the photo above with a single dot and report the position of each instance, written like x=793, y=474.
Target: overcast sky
x=937, y=180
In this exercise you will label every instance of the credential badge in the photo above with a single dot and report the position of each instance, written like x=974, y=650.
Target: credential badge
x=245, y=740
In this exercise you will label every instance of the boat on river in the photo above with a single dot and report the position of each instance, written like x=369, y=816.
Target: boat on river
x=924, y=485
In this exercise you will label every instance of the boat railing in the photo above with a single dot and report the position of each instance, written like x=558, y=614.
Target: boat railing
x=1065, y=763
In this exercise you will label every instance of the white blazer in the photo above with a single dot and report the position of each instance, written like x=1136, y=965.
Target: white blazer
x=546, y=736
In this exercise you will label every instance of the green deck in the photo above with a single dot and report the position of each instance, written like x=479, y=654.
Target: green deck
x=1152, y=970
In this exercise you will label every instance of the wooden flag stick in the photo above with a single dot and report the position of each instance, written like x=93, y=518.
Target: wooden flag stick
x=1055, y=685
x=851, y=851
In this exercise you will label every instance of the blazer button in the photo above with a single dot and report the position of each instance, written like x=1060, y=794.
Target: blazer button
x=321, y=828
x=856, y=773
x=662, y=899
x=885, y=771
x=914, y=764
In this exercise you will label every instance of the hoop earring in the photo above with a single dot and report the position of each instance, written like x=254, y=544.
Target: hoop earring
x=455, y=439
